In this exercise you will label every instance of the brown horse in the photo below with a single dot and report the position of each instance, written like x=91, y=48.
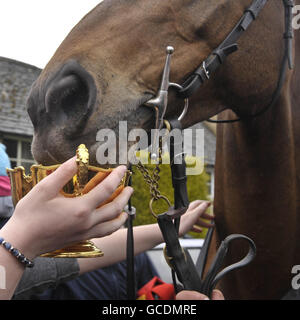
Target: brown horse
x=110, y=64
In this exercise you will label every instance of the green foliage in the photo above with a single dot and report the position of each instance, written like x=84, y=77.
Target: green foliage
x=197, y=189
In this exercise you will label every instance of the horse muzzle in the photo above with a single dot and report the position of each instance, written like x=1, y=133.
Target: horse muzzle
x=66, y=98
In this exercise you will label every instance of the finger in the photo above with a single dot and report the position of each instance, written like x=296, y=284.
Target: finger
x=59, y=178
x=197, y=229
x=112, y=209
x=199, y=209
x=207, y=216
x=108, y=227
x=103, y=190
x=191, y=217
x=195, y=204
x=217, y=295
x=190, y=295
x=205, y=224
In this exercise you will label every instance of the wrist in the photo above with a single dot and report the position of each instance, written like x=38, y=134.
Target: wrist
x=16, y=253
x=18, y=239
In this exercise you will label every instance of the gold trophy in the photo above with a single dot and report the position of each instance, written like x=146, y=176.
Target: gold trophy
x=87, y=178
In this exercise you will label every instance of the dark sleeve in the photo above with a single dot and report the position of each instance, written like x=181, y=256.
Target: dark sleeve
x=47, y=272
x=145, y=270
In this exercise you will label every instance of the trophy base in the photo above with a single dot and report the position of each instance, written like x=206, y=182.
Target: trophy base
x=82, y=249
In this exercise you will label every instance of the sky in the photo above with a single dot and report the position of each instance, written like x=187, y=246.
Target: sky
x=31, y=30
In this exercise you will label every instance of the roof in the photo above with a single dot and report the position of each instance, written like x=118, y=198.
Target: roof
x=16, y=79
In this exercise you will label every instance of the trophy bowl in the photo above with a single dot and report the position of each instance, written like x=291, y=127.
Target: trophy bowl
x=86, y=179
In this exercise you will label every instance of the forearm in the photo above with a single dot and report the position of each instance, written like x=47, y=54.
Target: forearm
x=13, y=269
x=114, y=246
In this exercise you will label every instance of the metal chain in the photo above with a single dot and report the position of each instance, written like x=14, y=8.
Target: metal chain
x=153, y=181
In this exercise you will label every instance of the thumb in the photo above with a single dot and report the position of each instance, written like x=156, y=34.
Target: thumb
x=217, y=295
x=55, y=181
x=190, y=295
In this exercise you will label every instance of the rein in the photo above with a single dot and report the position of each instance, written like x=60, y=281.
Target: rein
x=183, y=268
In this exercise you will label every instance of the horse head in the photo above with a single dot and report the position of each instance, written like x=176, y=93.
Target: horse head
x=110, y=64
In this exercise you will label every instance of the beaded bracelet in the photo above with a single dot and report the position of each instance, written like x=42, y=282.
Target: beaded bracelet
x=16, y=253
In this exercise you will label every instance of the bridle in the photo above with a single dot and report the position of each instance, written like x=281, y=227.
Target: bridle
x=206, y=69
x=229, y=46
x=189, y=274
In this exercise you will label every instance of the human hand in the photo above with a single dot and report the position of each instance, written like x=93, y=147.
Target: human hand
x=44, y=220
x=191, y=220
x=194, y=295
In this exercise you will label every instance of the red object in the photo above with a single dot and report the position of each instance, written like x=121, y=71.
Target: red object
x=4, y=186
x=156, y=289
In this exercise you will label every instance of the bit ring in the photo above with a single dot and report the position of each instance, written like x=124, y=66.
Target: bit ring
x=186, y=100
x=159, y=197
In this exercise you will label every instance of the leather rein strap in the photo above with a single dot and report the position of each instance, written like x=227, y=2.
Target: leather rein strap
x=218, y=56
x=228, y=46
x=178, y=258
x=130, y=270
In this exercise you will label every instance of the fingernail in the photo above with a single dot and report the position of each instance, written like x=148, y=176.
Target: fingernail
x=131, y=189
x=206, y=298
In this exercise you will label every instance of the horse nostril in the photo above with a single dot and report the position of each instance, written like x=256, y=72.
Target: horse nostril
x=70, y=95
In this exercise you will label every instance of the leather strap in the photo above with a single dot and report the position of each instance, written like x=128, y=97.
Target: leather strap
x=178, y=169
x=287, y=61
x=202, y=258
x=131, y=282
x=214, y=275
x=218, y=56
x=179, y=180
x=180, y=259
x=181, y=262
x=289, y=33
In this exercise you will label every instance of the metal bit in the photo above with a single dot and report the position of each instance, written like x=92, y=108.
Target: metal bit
x=160, y=102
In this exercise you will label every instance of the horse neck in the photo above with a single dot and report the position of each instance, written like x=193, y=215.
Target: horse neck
x=258, y=158
x=257, y=193
x=257, y=189
x=261, y=157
